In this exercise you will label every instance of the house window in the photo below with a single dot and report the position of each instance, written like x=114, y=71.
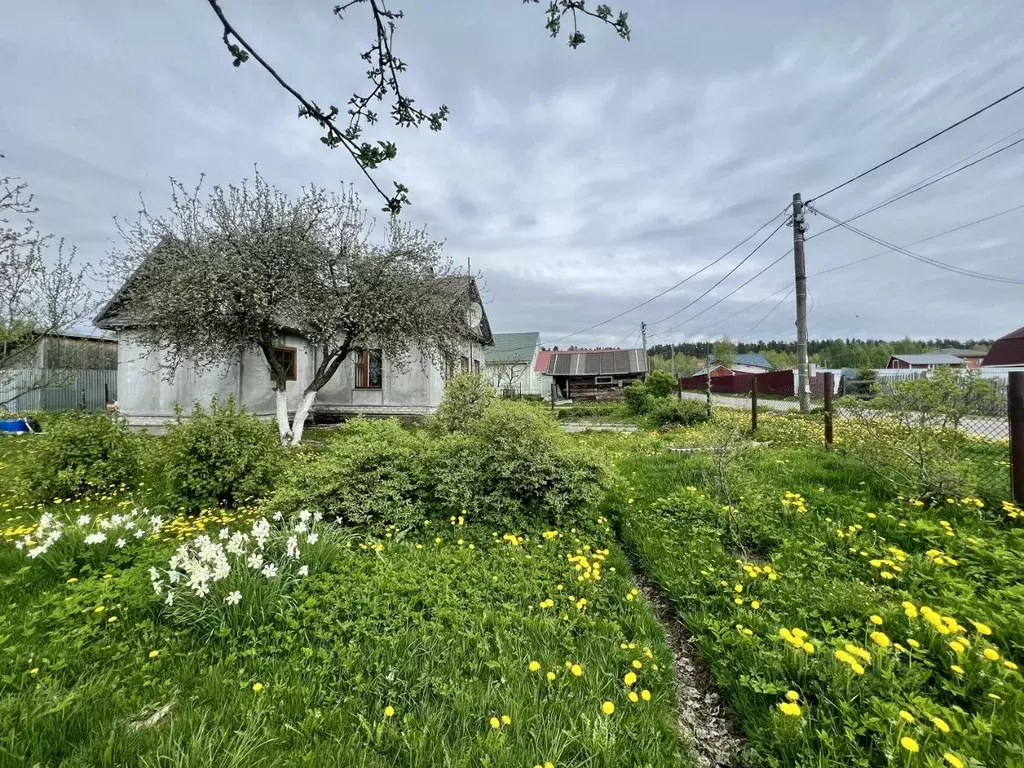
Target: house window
x=369, y=368
x=465, y=365
x=287, y=358
x=603, y=379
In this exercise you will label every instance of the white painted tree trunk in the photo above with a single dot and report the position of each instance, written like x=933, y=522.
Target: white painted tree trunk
x=301, y=413
x=283, y=428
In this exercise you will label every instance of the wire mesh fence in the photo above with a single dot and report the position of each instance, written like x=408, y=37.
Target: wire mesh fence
x=941, y=434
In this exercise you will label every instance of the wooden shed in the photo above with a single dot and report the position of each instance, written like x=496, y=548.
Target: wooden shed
x=596, y=374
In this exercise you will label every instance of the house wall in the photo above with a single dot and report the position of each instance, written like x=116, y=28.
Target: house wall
x=525, y=378
x=148, y=399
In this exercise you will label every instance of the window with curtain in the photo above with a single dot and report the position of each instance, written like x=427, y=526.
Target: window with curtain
x=369, y=368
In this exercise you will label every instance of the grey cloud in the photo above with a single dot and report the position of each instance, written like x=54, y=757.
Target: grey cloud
x=578, y=182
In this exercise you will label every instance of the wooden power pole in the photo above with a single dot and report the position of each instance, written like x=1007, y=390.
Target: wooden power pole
x=803, y=373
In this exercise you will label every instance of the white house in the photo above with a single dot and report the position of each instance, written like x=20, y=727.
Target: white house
x=511, y=363
x=366, y=383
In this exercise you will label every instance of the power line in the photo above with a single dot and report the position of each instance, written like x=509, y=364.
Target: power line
x=919, y=144
x=769, y=314
x=917, y=186
x=924, y=259
x=724, y=278
x=836, y=268
x=671, y=288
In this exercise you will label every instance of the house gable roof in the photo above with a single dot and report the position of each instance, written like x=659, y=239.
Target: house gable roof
x=1008, y=350
x=971, y=353
x=513, y=348
x=753, y=358
x=933, y=359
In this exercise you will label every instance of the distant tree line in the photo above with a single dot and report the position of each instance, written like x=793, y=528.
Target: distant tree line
x=830, y=353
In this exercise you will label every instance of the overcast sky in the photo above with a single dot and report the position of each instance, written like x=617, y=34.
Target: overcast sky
x=580, y=183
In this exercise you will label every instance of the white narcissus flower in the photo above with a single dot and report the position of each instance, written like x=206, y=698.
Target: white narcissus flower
x=270, y=570
x=292, y=547
x=313, y=538
x=170, y=598
x=304, y=570
x=224, y=533
x=96, y=538
x=233, y=598
x=255, y=561
x=83, y=520
x=278, y=516
x=301, y=527
x=120, y=543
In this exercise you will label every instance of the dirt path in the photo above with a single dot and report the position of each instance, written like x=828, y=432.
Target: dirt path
x=702, y=718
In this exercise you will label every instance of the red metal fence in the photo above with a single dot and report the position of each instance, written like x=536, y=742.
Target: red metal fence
x=770, y=383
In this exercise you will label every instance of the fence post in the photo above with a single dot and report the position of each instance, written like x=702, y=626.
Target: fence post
x=829, y=384
x=753, y=404
x=1015, y=409
x=553, y=397
x=679, y=387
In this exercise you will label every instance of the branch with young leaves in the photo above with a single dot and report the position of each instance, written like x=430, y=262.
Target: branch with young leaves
x=384, y=75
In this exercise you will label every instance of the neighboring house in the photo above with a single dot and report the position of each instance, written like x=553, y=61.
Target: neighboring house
x=540, y=371
x=1006, y=351
x=511, y=363
x=924, y=361
x=748, y=362
x=366, y=383
x=598, y=374
x=61, y=371
x=972, y=357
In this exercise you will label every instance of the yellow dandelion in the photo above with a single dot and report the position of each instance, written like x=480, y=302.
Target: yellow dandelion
x=608, y=709
x=389, y=711
x=941, y=724
x=637, y=664
x=534, y=666
x=633, y=697
x=629, y=679
x=983, y=629
x=953, y=760
x=957, y=668
x=551, y=676
x=72, y=580
x=1010, y=666
x=991, y=654
x=876, y=620
x=154, y=654
x=906, y=716
x=645, y=695
x=495, y=723
x=792, y=696
x=112, y=620
x=576, y=669
x=257, y=687
x=505, y=719
x=909, y=744
x=790, y=708
x=913, y=643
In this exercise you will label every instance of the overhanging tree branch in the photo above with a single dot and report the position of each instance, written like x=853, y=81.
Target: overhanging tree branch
x=384, y=76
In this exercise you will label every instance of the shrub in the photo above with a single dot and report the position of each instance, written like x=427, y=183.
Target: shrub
x=373, y=472
x=465, y=398
x=516, y=466
x=637, y=398
x=78, y=453
x=223, y=455
x=661, y=384
x=667, y=411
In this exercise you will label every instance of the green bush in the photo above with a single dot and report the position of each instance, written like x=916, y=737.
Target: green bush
x=78, y=453
x=223, y=456
x=667, y=411
x=465, y=398
x=509, y=466
x=637, y=398
x=373, y=472
x=514, y=467
x=661, y=384
x=593, y=412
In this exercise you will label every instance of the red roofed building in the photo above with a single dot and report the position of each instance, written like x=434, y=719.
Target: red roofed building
x=1007, y=351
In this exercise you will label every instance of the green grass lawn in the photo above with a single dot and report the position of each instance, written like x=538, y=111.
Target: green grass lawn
x=447, y=645
x=894, y=627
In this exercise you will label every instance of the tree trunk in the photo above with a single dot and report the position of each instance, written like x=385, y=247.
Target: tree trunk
x=283, y=428
x=299, y=422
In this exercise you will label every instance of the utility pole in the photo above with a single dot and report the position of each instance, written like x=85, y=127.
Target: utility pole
x=803, y=374
x=708, y=381
x=643, y=333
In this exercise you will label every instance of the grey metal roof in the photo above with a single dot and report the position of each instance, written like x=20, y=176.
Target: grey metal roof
x=513, y=347
x=597, y=362
x=932, y=359
x=753, y=358
x=958, y=352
